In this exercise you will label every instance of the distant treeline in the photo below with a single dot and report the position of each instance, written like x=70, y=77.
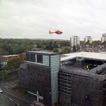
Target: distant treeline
x=16, y=46
x=98, y=42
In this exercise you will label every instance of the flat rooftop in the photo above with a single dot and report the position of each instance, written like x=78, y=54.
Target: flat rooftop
x=68, y=68
x=84, y=62
x=75, y=66
x=89, y=55
x=101, y=70
x=9, y=55
x=43, y=52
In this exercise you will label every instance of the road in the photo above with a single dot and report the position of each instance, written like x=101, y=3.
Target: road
x=11, y=98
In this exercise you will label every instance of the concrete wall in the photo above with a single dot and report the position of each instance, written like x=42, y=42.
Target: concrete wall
x=80, y=87
x=55, y=66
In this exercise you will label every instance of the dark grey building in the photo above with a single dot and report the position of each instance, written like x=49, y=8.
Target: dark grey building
x=39, y=75
x=82, y=81
x=78, y=79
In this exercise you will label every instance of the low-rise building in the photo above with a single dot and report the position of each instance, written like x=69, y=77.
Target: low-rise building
x=93, y=48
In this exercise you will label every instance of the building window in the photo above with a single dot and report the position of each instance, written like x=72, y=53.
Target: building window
x=39, y=58
x=33, y=57
x=30, y=57
x=27, y=57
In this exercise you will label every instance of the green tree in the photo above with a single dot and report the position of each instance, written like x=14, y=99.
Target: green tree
x=88, y=42
x=0, y=66
x=3, y=74
x=82, y=43
x=50, y=45
x=55, y=50
x=55, y=45
x=96, y=42
x=74, y=48
x=26, y=50
x=78, y=47
x=104, y=43
x=66, y=50
x=20, y=49
x=39, y=45
x=15, y=63
x=7, y=47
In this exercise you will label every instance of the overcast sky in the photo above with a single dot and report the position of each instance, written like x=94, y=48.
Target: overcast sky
x=34, y=18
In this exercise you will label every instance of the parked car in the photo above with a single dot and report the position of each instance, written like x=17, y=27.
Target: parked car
x=1, y=90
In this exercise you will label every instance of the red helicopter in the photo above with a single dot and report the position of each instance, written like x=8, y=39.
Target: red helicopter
x=57, y=32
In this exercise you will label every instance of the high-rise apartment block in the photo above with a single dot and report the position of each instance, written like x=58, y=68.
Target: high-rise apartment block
x=75, y=40
x=88, y=39
x=103, y=39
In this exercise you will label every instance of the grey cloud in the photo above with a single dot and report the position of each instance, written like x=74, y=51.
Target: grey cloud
x=33, y=18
